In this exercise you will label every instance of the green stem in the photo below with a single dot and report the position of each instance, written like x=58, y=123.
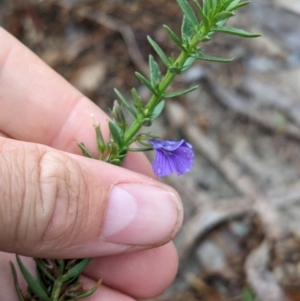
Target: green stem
x=43, y=269
x=56, y=290
x=58, y=282
x=156, y=98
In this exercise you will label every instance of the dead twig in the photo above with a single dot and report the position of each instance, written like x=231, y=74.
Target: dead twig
x=260, y=279
x=232, y=101
x=273, y=98
x=117, y=25
x=232, y=173
x=205, y=220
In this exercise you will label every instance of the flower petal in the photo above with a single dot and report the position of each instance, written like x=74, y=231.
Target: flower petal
x=171, y=156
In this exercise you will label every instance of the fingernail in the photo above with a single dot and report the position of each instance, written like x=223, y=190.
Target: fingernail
x=141, y=215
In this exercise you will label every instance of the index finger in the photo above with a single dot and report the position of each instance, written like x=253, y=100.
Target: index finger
x=38, y=105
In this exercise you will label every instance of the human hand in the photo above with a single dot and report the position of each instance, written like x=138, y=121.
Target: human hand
x=56, y=203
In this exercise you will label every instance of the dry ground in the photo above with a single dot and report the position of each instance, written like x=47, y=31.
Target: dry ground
x=241, y=234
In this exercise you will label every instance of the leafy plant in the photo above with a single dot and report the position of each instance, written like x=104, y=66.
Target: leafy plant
x=57, y=279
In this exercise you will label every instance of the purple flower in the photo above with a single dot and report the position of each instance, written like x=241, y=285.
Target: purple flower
x=171, y=156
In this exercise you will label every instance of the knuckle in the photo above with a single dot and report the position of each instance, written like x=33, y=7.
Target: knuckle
x=16, y=172
x=6, y=212
x=43, y=196
x=64, y=189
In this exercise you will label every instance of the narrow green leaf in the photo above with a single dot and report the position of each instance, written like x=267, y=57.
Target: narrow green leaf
x=34, y=285
x=236, y=32
x=116, y=162
x=204, y=57
x=173, y=37
x=90, y=292
x=214, y=4
x=76, y=269
x=125, y=102
x=188, y=12
x=42, y=269
x=202, y=15
x=140, y=149
x=218, y=6
x=100, y=141
x=146, y=82
x=239, y=5
x=40, y=276
x=137, y=100
x=187, y=64
x=158, y=110
x=232, y=4
x=15, y=277
x=208, y=4
x=72, y=280
x=159, y=51
x=213, y=7
x=187, y=29
x=206, y=7
x=226, y=3
x=175, y=70
x=206, y=38
x=61, y=264
x=84, y=150
x=178, y=93
x=146, y=122
x=154, y=71
x=116, y=132
x=225, y=15
x=221, y=23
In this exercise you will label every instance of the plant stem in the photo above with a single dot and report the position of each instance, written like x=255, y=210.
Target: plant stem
x=58, y=282
x=156, y=98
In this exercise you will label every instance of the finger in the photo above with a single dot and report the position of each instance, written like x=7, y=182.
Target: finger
x=55, y=204
x=104, y=293
x=8, y=293
x=7, y=288
x=38, y=105
x=142, y=274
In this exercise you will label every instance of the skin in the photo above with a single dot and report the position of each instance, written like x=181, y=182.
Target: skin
x=41, y=118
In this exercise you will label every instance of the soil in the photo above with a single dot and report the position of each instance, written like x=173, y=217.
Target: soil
x=241, y=237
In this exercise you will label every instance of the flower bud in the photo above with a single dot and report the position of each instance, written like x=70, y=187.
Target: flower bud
x=118, y=115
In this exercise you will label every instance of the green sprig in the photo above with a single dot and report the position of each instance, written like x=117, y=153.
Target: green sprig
x=57, y=279
x=198, y=26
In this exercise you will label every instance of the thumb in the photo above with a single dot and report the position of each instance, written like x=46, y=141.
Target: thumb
x=55, y=204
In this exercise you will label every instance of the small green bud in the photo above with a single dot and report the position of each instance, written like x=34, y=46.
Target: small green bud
x=115, y=162
x=84, y=150
x=114, y=156
x=146, y=122
x=100, y=141
x=205, y=39
x=116, y=132
x=175, y=70
x=117, y=113
x=136, y=100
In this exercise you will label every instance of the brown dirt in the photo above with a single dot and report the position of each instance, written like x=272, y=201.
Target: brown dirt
x=242, y=197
